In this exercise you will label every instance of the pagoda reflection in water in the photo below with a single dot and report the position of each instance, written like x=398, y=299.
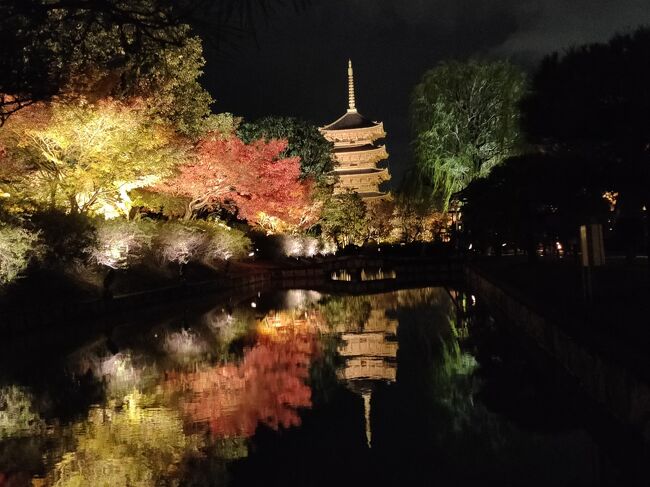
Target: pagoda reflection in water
x=370, y=352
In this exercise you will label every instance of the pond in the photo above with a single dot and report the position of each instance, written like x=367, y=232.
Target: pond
x=410, y=387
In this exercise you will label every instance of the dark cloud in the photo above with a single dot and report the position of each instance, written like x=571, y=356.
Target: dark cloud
x=298, y=64
x=551, y=25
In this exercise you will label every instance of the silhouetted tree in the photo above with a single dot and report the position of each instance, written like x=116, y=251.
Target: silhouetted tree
x=114, y=47
x=532, y=199
x=592, y=103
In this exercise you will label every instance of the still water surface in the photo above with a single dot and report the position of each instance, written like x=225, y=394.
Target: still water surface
x=412, y=387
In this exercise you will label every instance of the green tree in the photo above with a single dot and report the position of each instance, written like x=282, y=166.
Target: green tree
x=343, y=218
x=305, y=141
x=466, y=121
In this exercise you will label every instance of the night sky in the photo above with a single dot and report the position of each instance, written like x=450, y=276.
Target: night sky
x=298, y=65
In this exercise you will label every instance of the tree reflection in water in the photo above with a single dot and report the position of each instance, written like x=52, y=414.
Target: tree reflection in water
x=384, y=385
x=131, y=446
x=266, y=387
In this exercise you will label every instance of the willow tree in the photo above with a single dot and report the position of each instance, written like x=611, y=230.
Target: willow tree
x=465, y=117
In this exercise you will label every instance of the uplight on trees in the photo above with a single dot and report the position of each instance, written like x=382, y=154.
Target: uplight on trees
x=466, y=121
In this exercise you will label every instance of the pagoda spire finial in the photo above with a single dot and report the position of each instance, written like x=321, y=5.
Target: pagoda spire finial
x=352, y=107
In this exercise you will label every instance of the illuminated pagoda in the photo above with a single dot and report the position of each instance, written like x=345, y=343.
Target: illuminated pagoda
x=356, y=151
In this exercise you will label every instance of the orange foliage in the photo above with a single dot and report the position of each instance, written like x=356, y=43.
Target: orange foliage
x=253, y=176
x=267, y=387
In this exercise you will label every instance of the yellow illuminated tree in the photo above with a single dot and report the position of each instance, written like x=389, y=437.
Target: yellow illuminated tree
x=84, y=158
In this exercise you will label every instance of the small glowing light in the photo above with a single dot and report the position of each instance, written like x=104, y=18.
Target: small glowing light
x=259, y=294
x=378, y=249
x=470, y=246
x=644, y=208
x=251, y=254
x=558, y=245
x=155, y=335
x=253, y=304
x=503, y=244
x=473, y=300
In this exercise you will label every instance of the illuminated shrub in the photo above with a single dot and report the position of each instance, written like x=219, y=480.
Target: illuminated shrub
x=118, y=372
x=17, y=415
x=121, y=243
x=17, y=246
x=305, y=246
x=222, y=242
x=178, y=243
x=185, y=344
x=207, y=242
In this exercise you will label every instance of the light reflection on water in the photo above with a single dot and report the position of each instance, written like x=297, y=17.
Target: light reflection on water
x=386, y=378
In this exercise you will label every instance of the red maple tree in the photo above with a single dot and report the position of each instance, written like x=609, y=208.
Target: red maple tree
x=260, y=182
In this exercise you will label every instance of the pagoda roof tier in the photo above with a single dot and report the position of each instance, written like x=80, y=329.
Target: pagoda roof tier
x=372, y=196
x=351, y=119
x=354, y=134
x=369, y=156
x=354, y=148
x=360, y=172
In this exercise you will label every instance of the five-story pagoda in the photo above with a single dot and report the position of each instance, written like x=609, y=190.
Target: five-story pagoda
x=356, y=151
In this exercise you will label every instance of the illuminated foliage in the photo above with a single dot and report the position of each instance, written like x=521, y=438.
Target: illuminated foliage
x=182, y=242
x=222, y=242
x=267, y=387
x=17, y=247
x=304, y=141
x=184, y=344
x=379, y=220
x=145, y=200
x=466, y=121
x=120, y=243
x=416, y=218
x=179, y=243
x=263, y=186
x=17, y=414
x=343, y=218
x=85, y=157
x=300, y=246
x=132, y=446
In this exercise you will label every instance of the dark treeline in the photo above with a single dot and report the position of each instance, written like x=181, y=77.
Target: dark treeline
x=587, y=160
